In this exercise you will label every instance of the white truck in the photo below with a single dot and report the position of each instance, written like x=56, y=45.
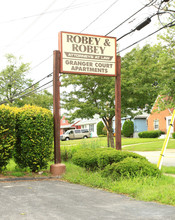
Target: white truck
x=75, y=134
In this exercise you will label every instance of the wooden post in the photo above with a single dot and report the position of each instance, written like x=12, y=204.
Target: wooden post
x=118, y=105
x=56, y=105
x=57, y=168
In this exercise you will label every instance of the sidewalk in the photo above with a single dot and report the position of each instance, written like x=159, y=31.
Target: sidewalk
x=53, y=199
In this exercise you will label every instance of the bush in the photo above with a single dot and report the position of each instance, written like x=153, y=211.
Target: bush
x=173, y=135
x=150, y=134
x=86, y=158
x=99, y=158
x=100, y=127
x=128, y=128
x=131, y=167
x=68, y=152
x=7, y=134
x=34, y=137
x=108, y=157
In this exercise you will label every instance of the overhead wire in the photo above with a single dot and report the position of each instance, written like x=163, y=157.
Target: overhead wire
x=105, y=35
x=99, y=15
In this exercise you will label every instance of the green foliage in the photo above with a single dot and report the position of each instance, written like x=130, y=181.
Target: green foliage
x=110, y=156
x=86, y=158
x=149, y=134
x=7, y=134
x=128, y=128
x=173, y=135
x=99, y=158
x=131, y=167
x=34, y=137
x=100, y=127
x=68, y=152
x=13, y=78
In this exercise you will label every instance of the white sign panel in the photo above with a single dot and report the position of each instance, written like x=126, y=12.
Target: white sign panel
x=87, y=54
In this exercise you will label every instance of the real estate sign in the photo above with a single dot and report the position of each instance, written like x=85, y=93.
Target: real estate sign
x=87, y=54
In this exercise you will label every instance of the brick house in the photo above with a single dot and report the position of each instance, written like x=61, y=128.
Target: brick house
x=160, y=120
x=65, y=125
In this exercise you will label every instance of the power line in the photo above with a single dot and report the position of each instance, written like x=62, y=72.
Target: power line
x=130, y=17
x=165, y=26
x=99, y=15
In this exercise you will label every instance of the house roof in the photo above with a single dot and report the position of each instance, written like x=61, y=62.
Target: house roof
x=90, y=121
x=163, y=98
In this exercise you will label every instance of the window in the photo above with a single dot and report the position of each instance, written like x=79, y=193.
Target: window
x=156, y=124
x=77, y=131
x=91, y=127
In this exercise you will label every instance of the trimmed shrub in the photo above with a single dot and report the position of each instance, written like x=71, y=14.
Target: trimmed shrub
x=128, y=128
x=100, y=127
x=86, y=158
x=7, y=134
x=150, y=134
x=68, y=152
x=34, y=137
x=173, y=135
x=99, y=158
x=114, y=156
x=131, y=167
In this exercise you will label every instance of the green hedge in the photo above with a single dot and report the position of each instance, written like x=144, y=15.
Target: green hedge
x=99, y=158
x=34, y=137
x=173, y=135
x=7, y=134
x=150, y=134
x=128, y=128
x=131, y=167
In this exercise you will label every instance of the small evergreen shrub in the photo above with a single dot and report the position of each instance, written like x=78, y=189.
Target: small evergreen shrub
x=131, y=167
x=86, y=158
x=114, y=156
x=34, y=137
x=7, y=134
x=128, y=128
x=173, y=135
x=150, y=134
x=68, y=152
x=100, y=127
x=99, y=158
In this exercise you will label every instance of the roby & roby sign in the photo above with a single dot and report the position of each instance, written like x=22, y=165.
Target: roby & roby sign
x=87, y=54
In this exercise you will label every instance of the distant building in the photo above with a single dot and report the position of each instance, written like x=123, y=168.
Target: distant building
x=160, y=120
x=65, y=125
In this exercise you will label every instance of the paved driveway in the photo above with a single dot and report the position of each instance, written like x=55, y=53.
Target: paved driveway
x=47, y=200
x=153, y=156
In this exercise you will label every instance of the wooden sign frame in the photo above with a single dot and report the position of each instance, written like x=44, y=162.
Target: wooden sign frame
x=57, y=69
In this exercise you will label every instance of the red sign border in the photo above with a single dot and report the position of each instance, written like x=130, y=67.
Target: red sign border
x=60, y=45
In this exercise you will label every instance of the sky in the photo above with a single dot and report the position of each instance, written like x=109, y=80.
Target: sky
x=29, y=28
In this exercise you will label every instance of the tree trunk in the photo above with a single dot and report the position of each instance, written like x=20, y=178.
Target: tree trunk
x=110, y=137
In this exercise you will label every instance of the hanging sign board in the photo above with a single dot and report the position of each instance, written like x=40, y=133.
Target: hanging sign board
x=87, y=54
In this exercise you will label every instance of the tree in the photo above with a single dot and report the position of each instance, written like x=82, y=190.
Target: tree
x=44, y=100
x=100, y=127
x=128, y=128
x=13, y=78
x=141, y=76
x=168, y=39
x=13, y=82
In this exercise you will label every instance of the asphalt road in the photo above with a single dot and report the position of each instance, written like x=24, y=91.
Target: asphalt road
x=53, y=199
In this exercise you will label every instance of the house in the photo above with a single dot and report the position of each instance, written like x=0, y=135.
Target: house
x=90, y=124
x=140, y=123
x=160, y=120
x=65, y=125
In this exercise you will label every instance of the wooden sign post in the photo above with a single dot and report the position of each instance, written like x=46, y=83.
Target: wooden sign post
x=86, y=55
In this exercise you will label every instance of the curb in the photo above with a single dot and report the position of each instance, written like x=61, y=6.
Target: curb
x=28, y=178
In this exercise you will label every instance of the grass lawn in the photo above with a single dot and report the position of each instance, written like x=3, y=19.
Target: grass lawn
x=146, y=188
x=143, y=188
x=152, y=146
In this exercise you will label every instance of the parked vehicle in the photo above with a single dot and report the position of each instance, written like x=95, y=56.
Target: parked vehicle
x=75, y=134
